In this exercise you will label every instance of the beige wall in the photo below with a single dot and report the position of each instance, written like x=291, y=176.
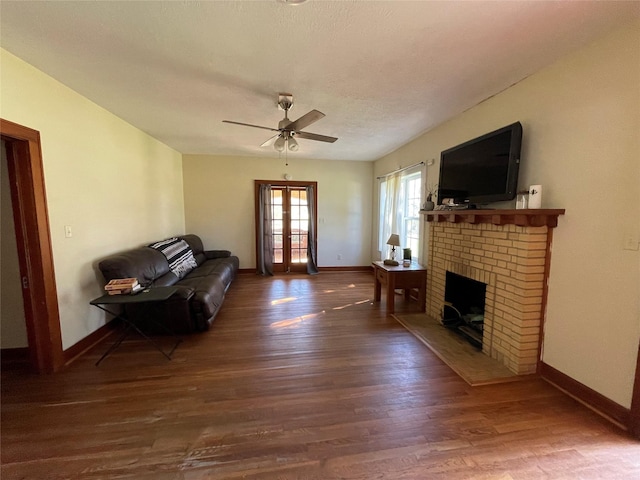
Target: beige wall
x=581, y=120
x=113, y=184
x=219, y=204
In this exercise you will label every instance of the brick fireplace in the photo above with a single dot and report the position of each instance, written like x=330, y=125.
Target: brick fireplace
x=509, y=251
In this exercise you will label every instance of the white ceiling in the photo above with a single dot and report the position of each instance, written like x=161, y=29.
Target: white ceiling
x=383, y=72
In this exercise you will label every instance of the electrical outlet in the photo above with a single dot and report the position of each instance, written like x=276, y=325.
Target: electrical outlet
x=339, y=256
x=67, y=231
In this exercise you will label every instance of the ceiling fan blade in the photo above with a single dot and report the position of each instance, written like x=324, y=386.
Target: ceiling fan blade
x=271, y=141
x=315, y=136
x=249, y=125
x=305, y=120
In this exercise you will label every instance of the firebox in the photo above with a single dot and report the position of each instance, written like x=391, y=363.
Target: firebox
x=463, y=310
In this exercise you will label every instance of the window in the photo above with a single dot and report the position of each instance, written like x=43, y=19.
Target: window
x=410, y=198
x=400, y=200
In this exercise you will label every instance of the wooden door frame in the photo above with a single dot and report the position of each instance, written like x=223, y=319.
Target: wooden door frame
x=285, y=183
x=35, y=256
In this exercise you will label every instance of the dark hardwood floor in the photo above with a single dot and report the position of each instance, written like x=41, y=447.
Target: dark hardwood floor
x=300, y=377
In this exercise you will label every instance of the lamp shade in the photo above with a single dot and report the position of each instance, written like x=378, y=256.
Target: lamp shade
x=279, y=144
x=394, y=240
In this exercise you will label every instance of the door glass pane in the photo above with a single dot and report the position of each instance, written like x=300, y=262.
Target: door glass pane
x=277, y=212
x=277, y=225
x=299, y=226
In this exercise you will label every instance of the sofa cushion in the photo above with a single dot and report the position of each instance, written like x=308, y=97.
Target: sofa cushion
x=223, y=268
x=165, y=280
x=144, y=263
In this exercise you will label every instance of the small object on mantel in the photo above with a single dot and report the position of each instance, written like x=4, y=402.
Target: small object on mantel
x=535, y=196
x=522, y=200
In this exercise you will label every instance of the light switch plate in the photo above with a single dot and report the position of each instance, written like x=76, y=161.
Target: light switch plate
x=630, y=241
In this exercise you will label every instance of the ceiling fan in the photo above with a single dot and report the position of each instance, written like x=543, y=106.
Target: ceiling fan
x=288, y=129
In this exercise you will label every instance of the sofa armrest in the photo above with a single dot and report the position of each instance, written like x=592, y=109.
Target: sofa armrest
x=211, y=254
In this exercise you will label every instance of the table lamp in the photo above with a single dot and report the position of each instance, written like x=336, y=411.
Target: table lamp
x=394, y=241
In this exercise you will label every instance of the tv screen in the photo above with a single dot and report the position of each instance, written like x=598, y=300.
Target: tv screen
x=482, y=170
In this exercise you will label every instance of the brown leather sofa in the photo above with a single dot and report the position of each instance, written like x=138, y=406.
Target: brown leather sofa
x=199, y=294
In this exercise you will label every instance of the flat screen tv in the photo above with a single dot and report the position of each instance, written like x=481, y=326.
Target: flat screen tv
x=482, y=170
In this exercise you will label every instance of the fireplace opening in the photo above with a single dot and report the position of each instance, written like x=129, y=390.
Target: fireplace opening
x=463, y=310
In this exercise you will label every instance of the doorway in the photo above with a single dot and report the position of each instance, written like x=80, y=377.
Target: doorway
x=31, y=220
x=13, y=336
x=290, y=221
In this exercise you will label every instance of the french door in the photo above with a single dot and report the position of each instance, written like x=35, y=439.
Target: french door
x=290, y=220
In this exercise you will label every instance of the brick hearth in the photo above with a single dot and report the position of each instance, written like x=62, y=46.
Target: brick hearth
x=513, y=261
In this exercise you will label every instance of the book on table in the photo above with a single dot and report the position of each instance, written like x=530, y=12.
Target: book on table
x=120, y=286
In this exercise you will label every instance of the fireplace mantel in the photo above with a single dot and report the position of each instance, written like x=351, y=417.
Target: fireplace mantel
x=522, y=218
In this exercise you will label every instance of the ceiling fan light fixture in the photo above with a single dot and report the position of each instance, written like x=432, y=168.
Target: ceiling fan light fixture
x=283, y=140
x=279, y=145
x=293, y=2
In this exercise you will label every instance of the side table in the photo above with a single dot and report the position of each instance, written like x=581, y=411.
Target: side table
x=150, y=295
x=414, y=276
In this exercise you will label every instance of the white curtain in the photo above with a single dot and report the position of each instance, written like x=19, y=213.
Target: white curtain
x=390, y=215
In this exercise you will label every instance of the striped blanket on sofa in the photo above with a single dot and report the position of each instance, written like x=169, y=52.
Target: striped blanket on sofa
x=178, y=254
